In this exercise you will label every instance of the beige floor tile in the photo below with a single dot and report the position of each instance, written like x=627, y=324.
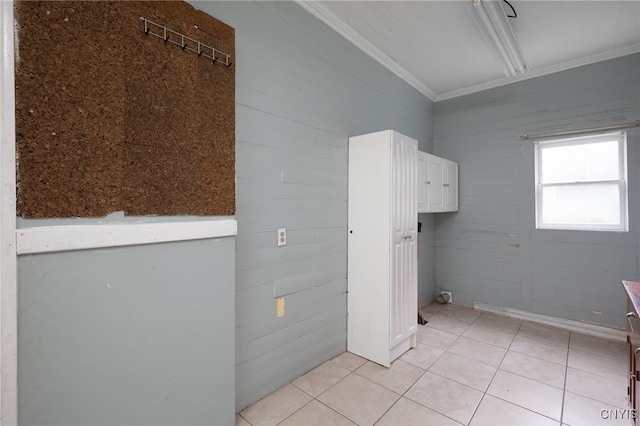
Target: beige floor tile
x=534, y=348
x=421, y=356
x=241, y=422
x=598, y=364
x=464, y=370
x=488, y=335
x=433, y=308
x=316, y=413
x=498, y=322
x=544, y=333
x=427, y=315
x=445, y=396
x=583, y=411
x=493, y=411
x=349, y=361
x=524, y=389
x=276, y=406
x=358, y=399
x=398, y=378
x=600, y=346
x=612, y=391
x=459, y=313
x=321, y=378
x=407, y=412
x=527, y=393
x=479, y=351
x=450, y=325
x=434, y=338
x=541, y=370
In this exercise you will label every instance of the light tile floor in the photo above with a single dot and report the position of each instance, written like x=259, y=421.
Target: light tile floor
x=470, y=368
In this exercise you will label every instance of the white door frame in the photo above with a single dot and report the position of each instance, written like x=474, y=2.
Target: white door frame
x=8, y=258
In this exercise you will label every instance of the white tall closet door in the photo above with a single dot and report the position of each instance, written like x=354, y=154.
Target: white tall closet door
x=410, y=303
x=403, y=286
x=397, y=241
x=397, y=193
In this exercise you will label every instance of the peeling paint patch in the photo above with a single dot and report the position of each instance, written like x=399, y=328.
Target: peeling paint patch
x=280, y=307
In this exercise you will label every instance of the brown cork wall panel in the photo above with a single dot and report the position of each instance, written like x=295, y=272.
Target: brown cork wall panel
x=109, y=118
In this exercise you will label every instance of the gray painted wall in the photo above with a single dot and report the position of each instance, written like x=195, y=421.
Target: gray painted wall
x=489, y=251
x=301, y=91
x=131, y=335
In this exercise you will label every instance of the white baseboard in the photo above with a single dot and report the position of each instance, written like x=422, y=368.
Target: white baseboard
x=571, y=325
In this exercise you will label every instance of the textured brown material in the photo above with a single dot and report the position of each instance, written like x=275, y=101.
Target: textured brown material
x=109, y=118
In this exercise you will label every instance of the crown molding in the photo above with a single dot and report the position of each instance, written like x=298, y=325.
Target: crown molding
x=345, y=30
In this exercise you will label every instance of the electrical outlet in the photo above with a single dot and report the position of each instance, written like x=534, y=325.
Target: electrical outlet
x=448, y=296
x=282, y=237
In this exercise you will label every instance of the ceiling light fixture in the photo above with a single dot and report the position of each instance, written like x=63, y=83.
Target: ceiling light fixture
x=491, y=20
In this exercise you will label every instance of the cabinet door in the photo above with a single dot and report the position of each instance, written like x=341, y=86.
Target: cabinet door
x=423, y=158
x=633, y=342
x=435, y=182
x=451, y=186
x=633, y=379
x=633, y=346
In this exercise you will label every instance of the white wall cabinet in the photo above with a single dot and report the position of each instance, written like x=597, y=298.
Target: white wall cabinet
x=382, y=246
x=437, y=184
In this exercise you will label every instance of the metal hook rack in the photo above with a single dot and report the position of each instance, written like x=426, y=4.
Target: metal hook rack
x=186, y=43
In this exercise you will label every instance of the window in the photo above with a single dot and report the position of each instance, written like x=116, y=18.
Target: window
x=581, y=183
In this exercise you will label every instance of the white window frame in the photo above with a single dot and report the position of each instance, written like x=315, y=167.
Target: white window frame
x=623, y=225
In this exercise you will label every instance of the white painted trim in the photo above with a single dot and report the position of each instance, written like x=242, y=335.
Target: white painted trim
x=8, y=265
x=344, y=29
x=571, y=325
x=46, y=239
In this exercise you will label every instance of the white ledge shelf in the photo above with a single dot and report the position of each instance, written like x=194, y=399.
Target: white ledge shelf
x=47, y=239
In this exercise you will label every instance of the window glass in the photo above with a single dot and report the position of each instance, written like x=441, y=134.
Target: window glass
x=580, y=162
x=581, y=183
x=585, y=204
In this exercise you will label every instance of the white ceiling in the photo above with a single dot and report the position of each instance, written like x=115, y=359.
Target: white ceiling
x=435, y=46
